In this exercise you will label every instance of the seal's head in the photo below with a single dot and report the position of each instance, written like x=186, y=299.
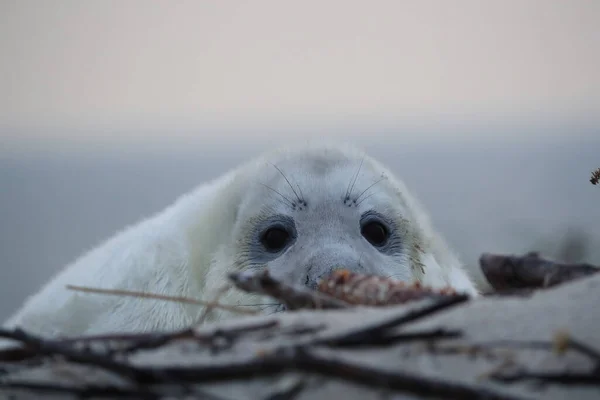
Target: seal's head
x=307, y=211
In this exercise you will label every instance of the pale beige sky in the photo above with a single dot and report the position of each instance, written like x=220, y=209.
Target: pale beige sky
x=114, y=63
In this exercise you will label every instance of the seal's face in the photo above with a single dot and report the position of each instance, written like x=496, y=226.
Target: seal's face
x=309, y=213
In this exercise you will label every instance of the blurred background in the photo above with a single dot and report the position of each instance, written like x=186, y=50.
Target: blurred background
x=109, y=110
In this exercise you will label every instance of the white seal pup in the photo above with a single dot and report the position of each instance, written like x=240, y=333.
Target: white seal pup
x=299, y=212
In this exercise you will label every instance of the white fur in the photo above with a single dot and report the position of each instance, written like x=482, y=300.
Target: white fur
x=188, y=248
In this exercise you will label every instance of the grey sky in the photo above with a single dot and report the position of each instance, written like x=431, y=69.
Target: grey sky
x=90, y=68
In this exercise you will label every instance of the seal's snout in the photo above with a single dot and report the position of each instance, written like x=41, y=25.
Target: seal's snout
x=312, y=280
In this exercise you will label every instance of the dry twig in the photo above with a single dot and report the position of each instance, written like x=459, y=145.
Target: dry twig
x=595, y=179
x=179, y=299
x=214, y=303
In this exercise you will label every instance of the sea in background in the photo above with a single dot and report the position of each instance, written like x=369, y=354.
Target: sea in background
x=499, y=195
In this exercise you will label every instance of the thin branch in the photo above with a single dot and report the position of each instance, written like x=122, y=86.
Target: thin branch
x=395, y=338
x=564, y=378
x=179, y=299
x=213, y=304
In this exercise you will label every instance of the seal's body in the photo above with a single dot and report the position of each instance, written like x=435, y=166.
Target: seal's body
x=300, y=212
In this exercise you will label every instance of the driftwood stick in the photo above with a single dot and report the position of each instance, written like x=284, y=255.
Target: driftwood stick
x=87, y=391
x=376, y=332
x=506, y=273
x=293, y=297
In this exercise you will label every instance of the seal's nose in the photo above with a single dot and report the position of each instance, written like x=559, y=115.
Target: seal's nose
x=312, y=280
x=330, y=258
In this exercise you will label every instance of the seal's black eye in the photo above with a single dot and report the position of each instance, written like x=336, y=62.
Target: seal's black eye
x=375, y=233
x=275, y=239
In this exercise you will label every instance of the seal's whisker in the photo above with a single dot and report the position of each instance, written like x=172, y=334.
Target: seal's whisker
x=267, y=309
x=365, y=198
x=300, y=199
x=290, y=202
x=277, y=310
x=300, y=190
x=354, y=179
x=393, y=276
x=370, y=186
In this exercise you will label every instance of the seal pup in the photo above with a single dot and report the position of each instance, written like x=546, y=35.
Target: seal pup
x=300, y=212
